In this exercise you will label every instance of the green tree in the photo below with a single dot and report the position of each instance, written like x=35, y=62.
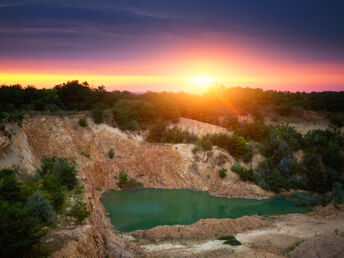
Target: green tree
x=157, y=131
x=79, y=211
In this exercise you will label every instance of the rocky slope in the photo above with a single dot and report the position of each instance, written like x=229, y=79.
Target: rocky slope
x=154, y=165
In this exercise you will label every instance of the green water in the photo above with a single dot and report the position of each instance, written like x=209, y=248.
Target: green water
x=132, y=210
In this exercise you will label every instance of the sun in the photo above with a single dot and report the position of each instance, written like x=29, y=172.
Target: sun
x=203, y=80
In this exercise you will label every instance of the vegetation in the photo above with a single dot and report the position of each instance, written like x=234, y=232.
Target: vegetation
x=230, y=240
x=79, y=211
x=126, y=183
x=319, y=168
x=245, y=174
x=29, y=207
x=133, y=111
x=234, y=145
x=305, y=199
x=98, y=113
x=82, y=122
x=111, y=154
x=222, y=173
x=85, y=154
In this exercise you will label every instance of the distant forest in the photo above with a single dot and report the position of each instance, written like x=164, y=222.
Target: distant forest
x=208, y=107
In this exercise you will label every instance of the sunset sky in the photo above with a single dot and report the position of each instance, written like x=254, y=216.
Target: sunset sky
x=174, y=45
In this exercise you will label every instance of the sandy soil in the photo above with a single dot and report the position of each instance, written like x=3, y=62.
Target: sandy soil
x=316, y=234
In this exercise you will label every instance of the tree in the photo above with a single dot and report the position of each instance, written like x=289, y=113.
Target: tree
x=97, y=113
x=79, y=211
x=157, y=131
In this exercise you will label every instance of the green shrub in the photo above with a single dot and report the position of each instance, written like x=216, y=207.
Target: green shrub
x=337, y=193
x=97, y=113
x=303, y=199
x=284, y=109
x=269, y=178
x=245, y=174
x=79, y=211
x=133, y=115
x=126, y=183
x=63, y=168
x=247, y=157
x=22, y=221
x=85, y=154
x=230, y=240
x=157, y=131
x=40, y=208
x=82, y=122
x=222, y=173
x=234, y=145
x=123, y=178
x=9, y=186
x=256, y=131
x=230, y=121
x=111, y=153
x=204, y=143
x=53, y=191
x=19, y=230
x=66, y=172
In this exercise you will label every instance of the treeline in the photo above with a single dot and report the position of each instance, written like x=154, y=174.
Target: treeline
x=209, y=107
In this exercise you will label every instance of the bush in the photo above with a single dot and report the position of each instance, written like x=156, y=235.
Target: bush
x=19, y=230
x=204, y=143
x=22, y=221
x=82, y=122
x=302, y=199
x=111, y=154
x=133, y=115
x=230, y=121
x=247, y=157
x=123, y=178
x=53, y=191
x=234, y=145
x=269, y=178
x=79, y=211
x=337, y=193
x=63, y=168
x=9, y=186
x=126, y=183
x=283, y=109
x=222, y=173
x=230, y=240
x=85, y=154
x=97, y=113
x=157, y=131
x=66, y=172
x=245, y=174
x=256, y=131
x=40, y=208
x=177, y=135
x=337, y=121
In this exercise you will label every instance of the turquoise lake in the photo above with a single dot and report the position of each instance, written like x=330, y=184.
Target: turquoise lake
x=131, y=210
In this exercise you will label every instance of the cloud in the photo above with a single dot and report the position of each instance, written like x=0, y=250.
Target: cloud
x=309, y=24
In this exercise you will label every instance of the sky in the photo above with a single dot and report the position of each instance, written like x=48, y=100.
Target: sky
x=174, y=45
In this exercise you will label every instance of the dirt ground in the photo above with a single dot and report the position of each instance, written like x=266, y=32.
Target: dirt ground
x=316, y=234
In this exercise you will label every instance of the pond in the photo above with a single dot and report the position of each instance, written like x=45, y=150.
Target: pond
x=131, y=210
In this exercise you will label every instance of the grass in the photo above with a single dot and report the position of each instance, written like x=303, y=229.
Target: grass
x=230, y=240
x=85, y=154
